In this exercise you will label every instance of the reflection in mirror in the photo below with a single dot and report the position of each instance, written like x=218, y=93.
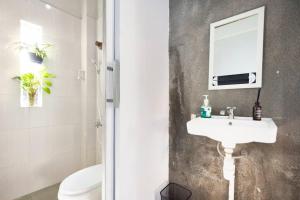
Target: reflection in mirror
x=236, y=51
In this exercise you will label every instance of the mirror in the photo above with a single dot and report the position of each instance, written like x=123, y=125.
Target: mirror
x=236, y=51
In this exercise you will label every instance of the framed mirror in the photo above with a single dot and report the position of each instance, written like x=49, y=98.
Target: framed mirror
x=236, y=51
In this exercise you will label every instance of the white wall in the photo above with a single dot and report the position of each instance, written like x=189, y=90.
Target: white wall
x=41, y=146
x=72, y=7
x=142, y=143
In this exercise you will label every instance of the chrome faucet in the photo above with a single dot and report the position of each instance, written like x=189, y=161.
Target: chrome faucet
x=230, y=111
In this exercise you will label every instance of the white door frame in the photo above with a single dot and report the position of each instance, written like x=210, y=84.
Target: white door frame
x=108, y=191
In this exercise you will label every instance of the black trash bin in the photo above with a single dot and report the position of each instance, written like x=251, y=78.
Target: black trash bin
x=174, y=191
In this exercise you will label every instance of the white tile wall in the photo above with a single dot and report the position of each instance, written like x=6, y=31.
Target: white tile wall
x=72, y=6
x=12, y=116
x=41, y=146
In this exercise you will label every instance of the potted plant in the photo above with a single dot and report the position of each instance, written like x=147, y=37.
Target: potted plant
x=39, y=53
x=36, y=52
x=32, y=82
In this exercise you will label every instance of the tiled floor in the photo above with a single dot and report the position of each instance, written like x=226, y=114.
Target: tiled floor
x=49, y=193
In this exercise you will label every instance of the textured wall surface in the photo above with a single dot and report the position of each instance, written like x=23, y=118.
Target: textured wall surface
x=271, y=171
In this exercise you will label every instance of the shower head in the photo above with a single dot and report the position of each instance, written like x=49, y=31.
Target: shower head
x=98, y=44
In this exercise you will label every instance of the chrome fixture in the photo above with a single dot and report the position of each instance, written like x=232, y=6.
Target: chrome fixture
x=97, y=67
x=230, y=111
x=98, y=123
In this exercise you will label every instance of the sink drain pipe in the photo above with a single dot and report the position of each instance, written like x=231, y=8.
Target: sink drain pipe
x=229, y=168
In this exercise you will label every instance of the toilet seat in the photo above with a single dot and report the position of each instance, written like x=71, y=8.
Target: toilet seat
x=82, y=181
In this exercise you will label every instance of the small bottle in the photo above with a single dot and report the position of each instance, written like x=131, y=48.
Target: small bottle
x=205, y=110
x=257, y=111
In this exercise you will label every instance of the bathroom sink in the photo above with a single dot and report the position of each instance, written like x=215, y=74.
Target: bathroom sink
x=230, y=132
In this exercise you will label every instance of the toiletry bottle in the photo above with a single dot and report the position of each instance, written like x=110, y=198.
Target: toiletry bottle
x=205, y=110
x=257, y=109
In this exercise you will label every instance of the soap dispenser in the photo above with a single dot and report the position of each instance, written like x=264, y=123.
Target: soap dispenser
x=205, y=110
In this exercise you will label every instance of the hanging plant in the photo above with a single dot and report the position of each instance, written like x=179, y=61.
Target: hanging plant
x=37, y=53
x=32, y=82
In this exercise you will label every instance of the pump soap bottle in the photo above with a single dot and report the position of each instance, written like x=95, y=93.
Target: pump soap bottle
x=205, y=110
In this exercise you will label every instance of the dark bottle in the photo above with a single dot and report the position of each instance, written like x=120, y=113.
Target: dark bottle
x=257, y=111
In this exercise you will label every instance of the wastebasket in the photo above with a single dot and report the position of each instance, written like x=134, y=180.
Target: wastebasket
x=174, y=191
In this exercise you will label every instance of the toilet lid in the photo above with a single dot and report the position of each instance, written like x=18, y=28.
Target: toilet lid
x=82, y=181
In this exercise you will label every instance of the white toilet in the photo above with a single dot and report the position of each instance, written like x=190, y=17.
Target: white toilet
x=82, y=185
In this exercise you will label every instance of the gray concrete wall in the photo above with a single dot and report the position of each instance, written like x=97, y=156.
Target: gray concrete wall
x=271, y=171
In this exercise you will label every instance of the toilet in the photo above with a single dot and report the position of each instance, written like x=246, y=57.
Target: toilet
x=84, y=184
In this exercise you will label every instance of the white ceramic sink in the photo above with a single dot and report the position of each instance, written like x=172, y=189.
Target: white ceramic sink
x=230, y=132
x=234, y=131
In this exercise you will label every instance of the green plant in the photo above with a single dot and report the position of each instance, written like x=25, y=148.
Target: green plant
x=39, y=50
x=31, y=82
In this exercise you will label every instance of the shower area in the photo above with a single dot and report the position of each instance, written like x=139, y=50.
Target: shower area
x=42, y=141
